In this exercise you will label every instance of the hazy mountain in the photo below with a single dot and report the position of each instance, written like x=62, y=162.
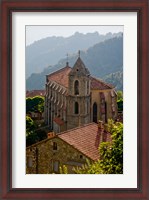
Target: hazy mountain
x=102, y=59
x=115, y=79
x=50, y=50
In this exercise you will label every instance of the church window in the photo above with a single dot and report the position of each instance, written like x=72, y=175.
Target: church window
x=76, y=87
x=76, y=108
x=54, y=146
x=87, y=87
x=95, y=112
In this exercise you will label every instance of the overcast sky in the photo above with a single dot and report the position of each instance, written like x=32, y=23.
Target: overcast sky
x=35, y=33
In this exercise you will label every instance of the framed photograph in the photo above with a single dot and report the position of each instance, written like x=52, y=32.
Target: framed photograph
x=26, y=28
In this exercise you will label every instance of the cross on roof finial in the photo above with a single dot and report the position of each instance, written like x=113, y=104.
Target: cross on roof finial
x=67, y=59
x=79, y=53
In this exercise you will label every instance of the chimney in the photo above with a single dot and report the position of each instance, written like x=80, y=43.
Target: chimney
x=100, y=124
x=101, y=130
x=51, y=135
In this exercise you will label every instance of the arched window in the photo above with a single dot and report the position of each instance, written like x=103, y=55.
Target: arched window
x=76, y=87
x=95, y=112
x=76, y=108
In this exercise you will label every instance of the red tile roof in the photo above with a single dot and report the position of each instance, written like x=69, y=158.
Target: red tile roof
x=61, y=77
x=85, y=139
x=99, y=84
x=34, y=93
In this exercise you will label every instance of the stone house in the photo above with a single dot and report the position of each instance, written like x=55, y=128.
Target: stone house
x=70, y=148
x=33, y=93
x=73, y=98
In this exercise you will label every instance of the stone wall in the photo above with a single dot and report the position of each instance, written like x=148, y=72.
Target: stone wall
x=45, y=157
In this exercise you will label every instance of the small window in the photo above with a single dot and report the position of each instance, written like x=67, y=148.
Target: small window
x=54, y=146
x=76, y=108
x=81, y=156
x=76, y=87
x=29, y=161
x=56, y=166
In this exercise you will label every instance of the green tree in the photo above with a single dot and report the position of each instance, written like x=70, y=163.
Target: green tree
x=119, y=95
x=30, y=125
x=111, y=153
x=32, y=134
x=35, y=104
x=120, y=100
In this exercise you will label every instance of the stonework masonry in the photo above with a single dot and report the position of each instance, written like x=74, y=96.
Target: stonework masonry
x=46, y=160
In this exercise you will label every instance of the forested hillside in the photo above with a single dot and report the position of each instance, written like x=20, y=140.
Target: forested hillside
x=50, y=50
x=104, y=60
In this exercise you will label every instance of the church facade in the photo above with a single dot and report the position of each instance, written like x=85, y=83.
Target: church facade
x=74, y=98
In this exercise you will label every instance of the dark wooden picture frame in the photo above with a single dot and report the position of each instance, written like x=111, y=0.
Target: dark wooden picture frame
x=142, y=9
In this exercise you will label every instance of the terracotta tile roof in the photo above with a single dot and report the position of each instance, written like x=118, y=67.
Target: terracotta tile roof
x=60, y=76
x=85, y=139
x=99, y=84
x=58, y=121
x=34, y=93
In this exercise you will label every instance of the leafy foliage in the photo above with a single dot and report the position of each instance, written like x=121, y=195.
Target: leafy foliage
x=35, y=104
x=63, y=170
x=120, y=100
x=119, y=95
x=30, y=125
x=32, y=134
x=112, y=152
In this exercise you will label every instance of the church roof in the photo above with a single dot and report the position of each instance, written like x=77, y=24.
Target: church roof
x=60, y=76
x=99, y=84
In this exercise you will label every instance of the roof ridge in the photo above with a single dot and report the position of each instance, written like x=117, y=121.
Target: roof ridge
x=78, y=127
x=59, y=70
x=42, y=141
x=106, y=84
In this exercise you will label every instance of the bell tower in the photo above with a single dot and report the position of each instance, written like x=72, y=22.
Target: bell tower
x=79, y=96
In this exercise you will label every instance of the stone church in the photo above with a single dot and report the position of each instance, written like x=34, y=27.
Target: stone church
x=74, y=98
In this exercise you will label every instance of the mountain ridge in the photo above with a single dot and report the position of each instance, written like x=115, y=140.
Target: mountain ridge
x=50, y=50
x=101, y=59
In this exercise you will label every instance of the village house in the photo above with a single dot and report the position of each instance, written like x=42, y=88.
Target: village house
x=74, y=98
x=33, y=93
x=71, y=148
